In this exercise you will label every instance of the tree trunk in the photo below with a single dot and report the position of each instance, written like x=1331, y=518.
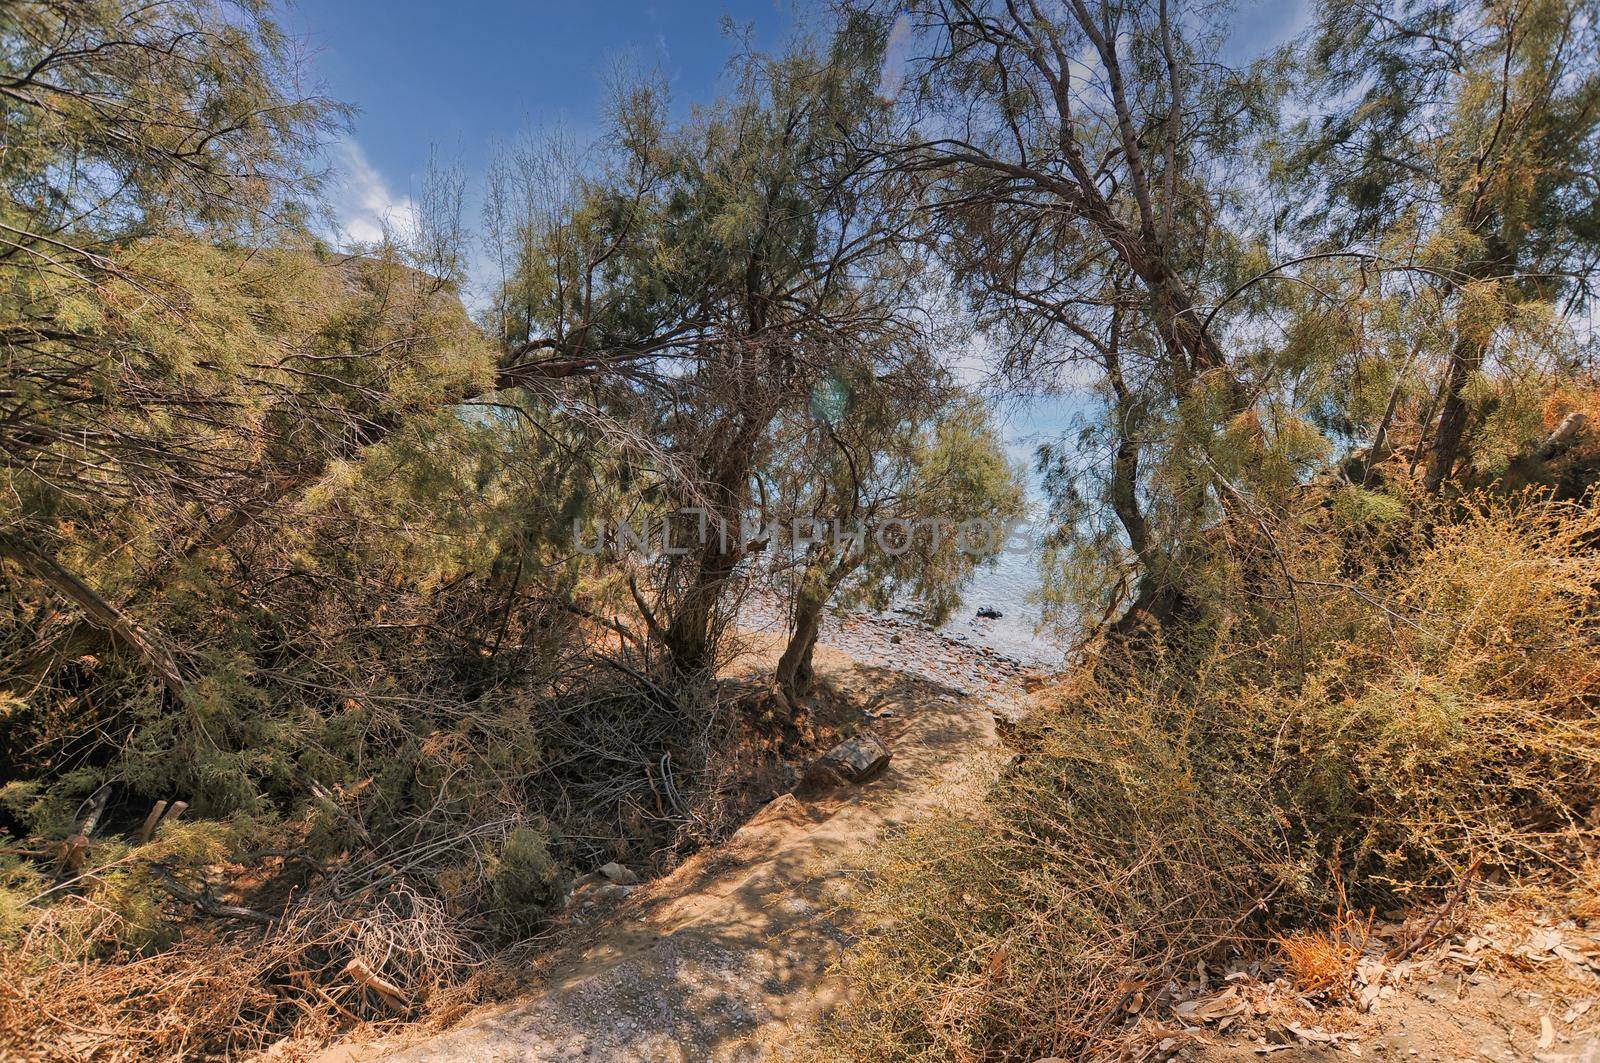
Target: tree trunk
x=824, y=572
x=119, y=627
x=688, y=636
x=795, y=674
x=1465, y=359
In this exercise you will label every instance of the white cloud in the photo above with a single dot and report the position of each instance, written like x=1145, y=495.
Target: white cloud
x=896, y=59
x=363, y=205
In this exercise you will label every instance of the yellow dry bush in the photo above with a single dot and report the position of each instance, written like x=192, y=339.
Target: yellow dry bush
x=1458, y=719
x=1412, y=695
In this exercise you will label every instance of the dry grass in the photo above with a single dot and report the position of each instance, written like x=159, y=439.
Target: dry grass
x=70, y=991
x=1411, y=699
x=1322, y=961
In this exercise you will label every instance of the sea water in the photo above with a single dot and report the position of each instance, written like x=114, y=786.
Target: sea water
x=1010, y=583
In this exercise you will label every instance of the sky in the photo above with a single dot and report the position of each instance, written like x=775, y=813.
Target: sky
x=425, y=75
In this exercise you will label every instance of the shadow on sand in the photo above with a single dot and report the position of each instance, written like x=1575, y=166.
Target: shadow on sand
x=721, y=958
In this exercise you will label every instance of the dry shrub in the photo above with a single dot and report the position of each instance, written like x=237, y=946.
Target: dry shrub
x=58, y=1000
x=112, y=966
x=385, y=910
x=329, y=965
x=1417, y=696
x=1323, y=960
x=1454, y=716
x=1113, y=851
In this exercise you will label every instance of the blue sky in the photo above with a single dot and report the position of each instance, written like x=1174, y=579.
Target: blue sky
x=455, y=76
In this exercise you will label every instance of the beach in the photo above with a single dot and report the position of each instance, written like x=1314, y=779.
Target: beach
x=904, y=644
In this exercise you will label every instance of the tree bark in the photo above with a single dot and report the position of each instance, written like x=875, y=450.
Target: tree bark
x=795, y=673
x=688, y=633
x=824, y=573
x=100, y=613
x=1465, y=359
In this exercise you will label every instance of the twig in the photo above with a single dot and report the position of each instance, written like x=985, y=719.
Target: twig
x=1107, y=1019
x=205, y=902
x=1415, y=944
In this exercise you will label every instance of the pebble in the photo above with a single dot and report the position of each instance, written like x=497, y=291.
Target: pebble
x=904, y=645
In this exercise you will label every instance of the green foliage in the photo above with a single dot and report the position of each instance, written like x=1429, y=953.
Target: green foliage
x=1371, y=512
x=284, y=534
x=525, y=883
x=959, y=473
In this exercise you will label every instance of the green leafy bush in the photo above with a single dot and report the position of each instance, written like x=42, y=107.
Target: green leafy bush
x=525, y=883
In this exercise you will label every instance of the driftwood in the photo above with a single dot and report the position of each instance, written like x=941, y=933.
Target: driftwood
x=151, y=820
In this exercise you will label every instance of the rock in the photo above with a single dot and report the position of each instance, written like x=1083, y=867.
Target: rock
x=1571, y=426
x=785, y=808
x=615, y=872
x=856, y=759
x=986, y=613
x=594, y=891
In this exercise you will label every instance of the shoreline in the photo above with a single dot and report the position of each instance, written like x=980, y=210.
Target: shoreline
x=904, y=645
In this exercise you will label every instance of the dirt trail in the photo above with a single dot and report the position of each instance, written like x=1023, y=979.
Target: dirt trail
x=727, y=955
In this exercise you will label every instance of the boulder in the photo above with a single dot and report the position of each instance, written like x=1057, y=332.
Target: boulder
x=856, y=759
x=593, y=892
x=615, y=872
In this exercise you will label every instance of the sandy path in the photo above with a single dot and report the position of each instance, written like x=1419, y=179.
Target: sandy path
x=728, y=954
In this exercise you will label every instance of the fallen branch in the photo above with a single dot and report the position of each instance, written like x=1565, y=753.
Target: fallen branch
x=207, y=904
x=101, y=613
x=391, y=993
x=75, y=850
x=1415, y=944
